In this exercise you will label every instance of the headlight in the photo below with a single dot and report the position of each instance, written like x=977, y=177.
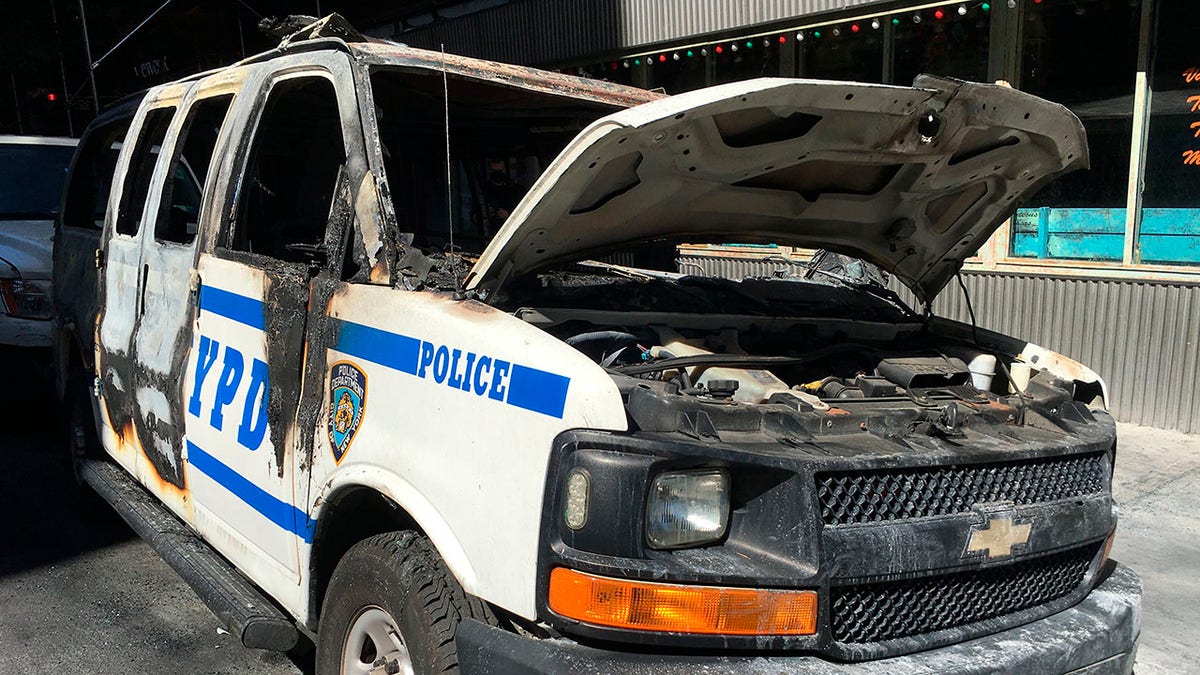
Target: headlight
x=687, y=508
x=25, y=299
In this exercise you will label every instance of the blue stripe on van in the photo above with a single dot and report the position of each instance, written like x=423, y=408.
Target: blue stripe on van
x=520, y=386
x=392, y=350
x=538, y=390
x=240, y=308
x=281, y=513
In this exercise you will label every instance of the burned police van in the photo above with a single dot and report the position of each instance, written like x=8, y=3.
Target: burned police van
x=391, y=353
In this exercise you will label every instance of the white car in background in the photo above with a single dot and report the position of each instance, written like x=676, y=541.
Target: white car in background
x=32, y=172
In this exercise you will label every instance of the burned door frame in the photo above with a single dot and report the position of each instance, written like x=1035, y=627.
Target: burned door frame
x=166, y=309
x=120, y=294
x=288, y=311
x=75, y=247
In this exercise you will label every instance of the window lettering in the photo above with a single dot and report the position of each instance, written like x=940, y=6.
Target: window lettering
x=1192, y=157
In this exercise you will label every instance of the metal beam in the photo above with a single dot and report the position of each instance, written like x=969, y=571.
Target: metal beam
x=87, y=47
x=1142, y=95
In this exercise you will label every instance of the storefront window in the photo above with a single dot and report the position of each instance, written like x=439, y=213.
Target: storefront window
x=1170, y=231
x=745, y=59
x=952, y=45
x=1083, y=54
x=842, y=53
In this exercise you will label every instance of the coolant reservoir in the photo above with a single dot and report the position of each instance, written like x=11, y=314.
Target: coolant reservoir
x=982, y=369
x=754, y=385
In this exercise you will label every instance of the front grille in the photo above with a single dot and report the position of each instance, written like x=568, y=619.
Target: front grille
x=897, y=609
x=898, y=494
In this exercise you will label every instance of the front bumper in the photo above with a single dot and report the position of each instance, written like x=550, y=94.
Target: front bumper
x=1098, y=636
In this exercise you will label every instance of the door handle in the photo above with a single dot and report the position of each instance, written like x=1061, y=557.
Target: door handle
x=194, y=289
x=142, y=289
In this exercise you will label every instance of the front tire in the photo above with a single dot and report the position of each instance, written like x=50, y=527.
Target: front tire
x=392, y=605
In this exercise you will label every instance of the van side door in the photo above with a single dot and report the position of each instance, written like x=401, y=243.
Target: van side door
x=165, y=310
x=121, y=292
x=77, y=236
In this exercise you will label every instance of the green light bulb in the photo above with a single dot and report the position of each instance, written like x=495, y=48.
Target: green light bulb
x=690, y=54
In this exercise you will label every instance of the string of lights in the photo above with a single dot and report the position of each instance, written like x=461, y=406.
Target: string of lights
x=934, y=11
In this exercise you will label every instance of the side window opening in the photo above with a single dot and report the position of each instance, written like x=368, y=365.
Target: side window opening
x=179, y=213
x=87, y=193
x=292, y=172
x=141, y=170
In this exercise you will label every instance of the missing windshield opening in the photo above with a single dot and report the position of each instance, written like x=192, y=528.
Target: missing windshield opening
x=501, y=140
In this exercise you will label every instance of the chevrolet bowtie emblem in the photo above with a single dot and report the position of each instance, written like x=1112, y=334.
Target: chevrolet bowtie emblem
x=997, y=537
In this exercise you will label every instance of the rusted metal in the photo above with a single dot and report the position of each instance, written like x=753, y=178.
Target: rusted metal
x=504, y=73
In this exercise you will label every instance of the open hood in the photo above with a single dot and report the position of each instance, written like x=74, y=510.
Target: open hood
x=913, y=179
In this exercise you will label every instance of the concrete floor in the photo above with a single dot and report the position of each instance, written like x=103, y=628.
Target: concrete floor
x=79, y=592
x=1157, y=485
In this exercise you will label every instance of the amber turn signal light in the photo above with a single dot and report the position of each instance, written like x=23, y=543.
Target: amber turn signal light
x=709, y=610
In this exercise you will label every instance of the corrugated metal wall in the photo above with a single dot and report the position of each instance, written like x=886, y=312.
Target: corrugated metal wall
x=1142, y=337
x=737, y=268
x=537, y=32
x=652, y=21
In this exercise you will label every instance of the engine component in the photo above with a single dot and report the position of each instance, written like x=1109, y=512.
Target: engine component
x=799, y=399
x=721, y=388
x=754, y=385
x=1019, y=375
x=876, y=387
x=983, y=369
x=602, y=345
x=923, y=372
x=835, y=388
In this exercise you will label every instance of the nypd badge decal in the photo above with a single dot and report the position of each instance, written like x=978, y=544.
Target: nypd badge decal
x=347, y=401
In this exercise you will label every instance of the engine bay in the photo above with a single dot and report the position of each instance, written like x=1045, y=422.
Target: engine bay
x=703, y=357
